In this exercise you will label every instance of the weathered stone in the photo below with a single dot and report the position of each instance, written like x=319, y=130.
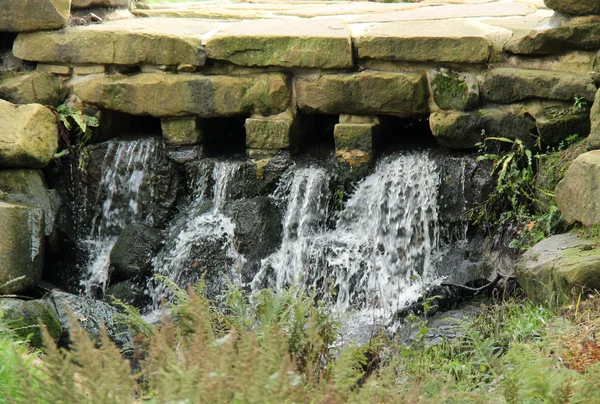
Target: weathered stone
x=457, y=41
x=24, y=318
x=54, y=69
x=556, y=40
x=28, y=135
x=92, y=69
x=33, y=15
x=286, y=42
x=462, y=130
x=99, y=3
x=559, y=267
x=594, y=138
x=87, y=313
x=170, y=95
x=128, y=292
x=133, y=252
x=28, y=187
x=180, y=131
x=274, y=132
x=401, y=94
x=258, y=226
x=576, y=195
x=354, y=141
x=31, y=88
x=454, y=90
x=506, y=85
x=575, y=7
x=21, y=246
x=556, y=123
x=156, y=41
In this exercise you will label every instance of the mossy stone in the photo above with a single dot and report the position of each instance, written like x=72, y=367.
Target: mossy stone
x=34, y=15
x=32, y=87
x=24, y=318
x=454, y=91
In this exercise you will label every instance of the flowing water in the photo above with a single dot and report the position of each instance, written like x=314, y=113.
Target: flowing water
x=123, y=195
x=379, y=254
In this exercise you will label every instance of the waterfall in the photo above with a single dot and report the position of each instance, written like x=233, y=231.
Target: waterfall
x=379, y=254
x=123, y=194
x=200, y=224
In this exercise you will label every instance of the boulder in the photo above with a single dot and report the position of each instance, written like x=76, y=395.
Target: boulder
x=29, y=187
x=156, y=41
x=132, y=254
x=462, y=130
x=128, y=292
x=594, y=138
x=75, y=4
x=559, y=268
x=400, y=94
x=577, y=194
x=32, y=88
x=316, y=43
x=28, y=135
x=21, y=246
x=258, y=227
x=454, y=90
x=34, y=15
x=508, y=85
x=88, y=314
x=170, y=95
x=574, y=7
x=24, y=317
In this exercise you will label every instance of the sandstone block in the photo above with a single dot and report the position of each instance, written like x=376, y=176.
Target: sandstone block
x=91, y=69
x=577, y=194
x=21, y=246
x=272, y=133
x=401, y=94
x=33, y=15
x=99, y=3
x=286, y=42
x=180, y=131
x=31, y=88
x=354, y=142
x=462, y=130
x=172, y=95
x=28, y=135
x=507, y=85
x=575, y=7
x=556, y=40
x=54, y=69
x=559, y=267
x=556, y=123
x=594, y=138
x=457, y=41
x=454, y=90
x=156, y=41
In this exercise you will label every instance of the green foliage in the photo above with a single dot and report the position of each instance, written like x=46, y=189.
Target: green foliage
x=77, y=125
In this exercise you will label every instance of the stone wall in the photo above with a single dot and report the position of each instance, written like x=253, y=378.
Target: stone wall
x=472, y=70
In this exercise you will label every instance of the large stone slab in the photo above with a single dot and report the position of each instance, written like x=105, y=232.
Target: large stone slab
x=575, y=7
x=401, y=94
x=28, y=135
x=577, y=194
x=460, y=41
x=32, y=88
x=33, y=15
x=463, y=130
x=287, y=42
x=506, y=85
x=157, y=41
x=559, y=268
x=99, y=3
x=21, y=246
x=170, y=95
x=556, y=40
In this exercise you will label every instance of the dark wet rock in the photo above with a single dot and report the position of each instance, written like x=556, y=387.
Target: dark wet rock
x=89, y=314
x=24, y=317
x=257, y=226
x=128, y=292
x=132, y=254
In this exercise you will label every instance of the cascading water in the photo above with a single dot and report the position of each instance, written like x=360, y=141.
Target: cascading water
x=199, y=225
x=379, y=255
x=127, y=176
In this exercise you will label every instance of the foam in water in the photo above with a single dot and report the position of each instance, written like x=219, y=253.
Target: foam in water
x=127, y=179
x=197, y=224
x=379, y=255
